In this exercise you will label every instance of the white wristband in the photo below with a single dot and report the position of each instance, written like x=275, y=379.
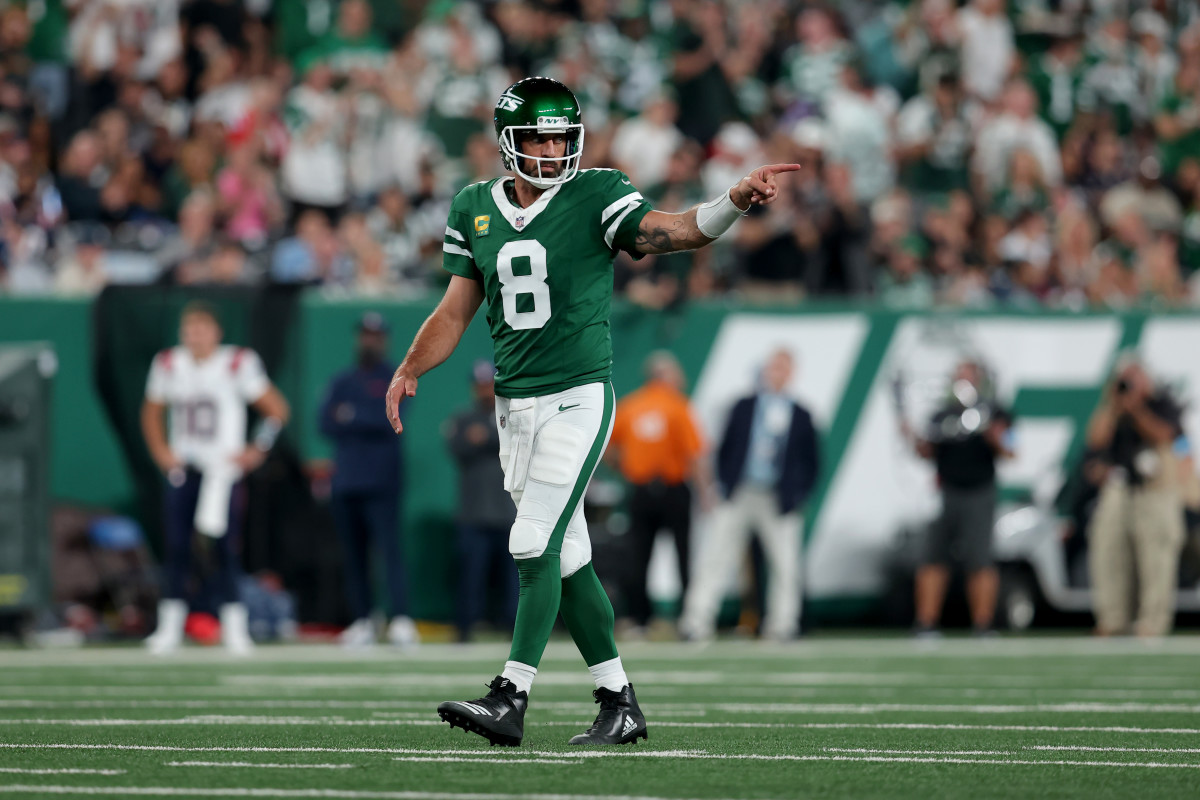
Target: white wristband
x=717, y=216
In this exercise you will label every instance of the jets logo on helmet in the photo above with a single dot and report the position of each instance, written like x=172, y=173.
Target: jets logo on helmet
x=539, y=106
x=509, y=101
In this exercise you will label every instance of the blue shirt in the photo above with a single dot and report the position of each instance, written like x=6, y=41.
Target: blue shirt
x=768, y=438
x=366, y=449
x=293, y=262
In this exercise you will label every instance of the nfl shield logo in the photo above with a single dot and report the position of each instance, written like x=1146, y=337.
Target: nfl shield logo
x=520, y=222
x=502, y=420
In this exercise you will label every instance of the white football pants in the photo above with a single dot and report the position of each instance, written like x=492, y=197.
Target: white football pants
x=549, y=448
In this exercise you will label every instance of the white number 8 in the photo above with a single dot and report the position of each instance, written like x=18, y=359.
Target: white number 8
x=534, y=283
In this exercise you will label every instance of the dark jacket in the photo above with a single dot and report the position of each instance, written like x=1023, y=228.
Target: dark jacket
x=801, y=455
x=366, y=451
x=482, y=500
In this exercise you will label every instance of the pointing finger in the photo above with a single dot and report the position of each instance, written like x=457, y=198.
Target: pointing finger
x=775, y=169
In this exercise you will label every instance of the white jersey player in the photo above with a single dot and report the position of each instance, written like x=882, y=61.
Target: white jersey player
x=206, y=386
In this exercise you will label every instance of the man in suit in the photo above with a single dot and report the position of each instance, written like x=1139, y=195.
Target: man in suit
x=767, y=465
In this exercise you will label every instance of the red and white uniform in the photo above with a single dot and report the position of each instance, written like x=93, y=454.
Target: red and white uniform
x=208, y=401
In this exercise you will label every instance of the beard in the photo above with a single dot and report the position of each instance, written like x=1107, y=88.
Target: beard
x=549, y=169
x=369, y=356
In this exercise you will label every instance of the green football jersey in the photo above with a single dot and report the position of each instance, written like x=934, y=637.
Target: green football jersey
x=547, y=274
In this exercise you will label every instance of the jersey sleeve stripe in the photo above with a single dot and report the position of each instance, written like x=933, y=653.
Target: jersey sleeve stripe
x=455, y=250
x=451, y=232
x=612, y=229
x=617, y=205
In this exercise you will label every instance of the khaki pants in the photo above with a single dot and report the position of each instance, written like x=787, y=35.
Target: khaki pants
x=749, y=509
x=1134, y=540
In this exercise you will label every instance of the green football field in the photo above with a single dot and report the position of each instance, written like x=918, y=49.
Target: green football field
x=825, y=717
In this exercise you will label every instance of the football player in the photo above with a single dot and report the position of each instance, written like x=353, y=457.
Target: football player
x=206, y=386
x=537, y=247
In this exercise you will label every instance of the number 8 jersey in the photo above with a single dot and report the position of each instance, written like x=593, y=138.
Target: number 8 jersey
x=547, y=274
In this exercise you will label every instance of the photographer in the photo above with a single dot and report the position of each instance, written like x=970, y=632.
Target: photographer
x=965, y=438
x=1139, y=521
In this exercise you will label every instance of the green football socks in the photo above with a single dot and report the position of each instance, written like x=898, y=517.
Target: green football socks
x=588, y=615
x=537, y=606
x=584, y=605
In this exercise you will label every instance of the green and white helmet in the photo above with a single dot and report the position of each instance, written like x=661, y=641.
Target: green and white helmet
x=539, y=105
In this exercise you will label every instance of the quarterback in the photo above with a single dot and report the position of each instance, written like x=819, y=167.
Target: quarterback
x=537, y=247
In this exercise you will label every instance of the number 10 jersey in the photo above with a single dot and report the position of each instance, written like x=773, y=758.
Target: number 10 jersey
x=547, y=274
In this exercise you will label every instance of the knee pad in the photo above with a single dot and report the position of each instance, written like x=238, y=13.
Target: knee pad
x=576, y=553
x=558, y=453
x=526, y=539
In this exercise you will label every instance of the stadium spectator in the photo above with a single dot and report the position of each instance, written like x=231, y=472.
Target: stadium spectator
x=987, y=48
x=813, y=66
x=965, y=438
x=204, y=459
x=313, y=255
x=642, y=146
x=485, y=511
x=193, y=239
x=314, y=170
x=1055, y=76
x=767, y=465
x=249, y=202
x=934, y=139
x=860, y=121
x=1137, y=529
x=367, y=480
x=1146, y=196
x=121, y=111
x=83, y=271
x=1017, y=127
x=658, y=448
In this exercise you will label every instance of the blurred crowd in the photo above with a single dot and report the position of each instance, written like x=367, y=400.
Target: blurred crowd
x=1028, y=153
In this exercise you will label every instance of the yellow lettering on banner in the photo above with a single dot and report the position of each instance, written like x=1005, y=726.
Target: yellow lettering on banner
x=12, y=587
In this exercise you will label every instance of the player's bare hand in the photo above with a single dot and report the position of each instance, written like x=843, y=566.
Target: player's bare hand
x=250, y=459
x=168, y=462
x=402, y=386
x=760, y=187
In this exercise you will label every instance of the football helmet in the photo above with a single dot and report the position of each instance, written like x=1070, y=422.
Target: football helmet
x=539, y=105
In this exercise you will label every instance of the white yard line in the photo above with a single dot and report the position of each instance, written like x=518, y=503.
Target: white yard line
x=457, y=760
x=64, y=771
x=954, y=708
x=254, y=765
x=336, y=794
x=1055, y=748
x=1047, y=748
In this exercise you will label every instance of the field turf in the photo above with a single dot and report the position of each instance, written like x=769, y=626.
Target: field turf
x=825, y=717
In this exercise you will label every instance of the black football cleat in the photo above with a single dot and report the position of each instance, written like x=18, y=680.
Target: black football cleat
x=498, y=717
x=620, y=721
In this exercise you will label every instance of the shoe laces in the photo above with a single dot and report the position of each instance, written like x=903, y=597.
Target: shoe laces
x=610, y=704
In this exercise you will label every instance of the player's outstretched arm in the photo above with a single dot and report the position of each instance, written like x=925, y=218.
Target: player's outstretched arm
x=660, y=232
x=434, y=342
